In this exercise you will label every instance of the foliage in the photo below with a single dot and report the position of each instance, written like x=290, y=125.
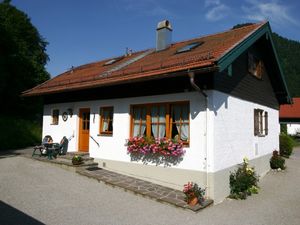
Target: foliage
x=241, y=25
x=22, y=66
x=296, y=140
x=285, y=145
x=192, y=190
x=243, y=181
x=158, y=151
x=276, y=161
x=77, y=159
x=17, y=133
x=22, y=61
x=158, y=146
x=289, y=55
x=283, y=128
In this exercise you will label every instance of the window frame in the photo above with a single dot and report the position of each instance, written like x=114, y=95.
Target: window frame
x=53, y=121
x=260, y=123
x=168, y=118
x=109, y=109
x=255, y=62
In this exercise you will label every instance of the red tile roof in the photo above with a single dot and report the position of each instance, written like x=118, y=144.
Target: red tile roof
x=152, y=65
x=290, y=111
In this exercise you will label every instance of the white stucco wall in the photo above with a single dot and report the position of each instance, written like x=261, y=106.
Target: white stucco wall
x=112, y=147
x=230, y=129
x=293, y=128
x=233, y=131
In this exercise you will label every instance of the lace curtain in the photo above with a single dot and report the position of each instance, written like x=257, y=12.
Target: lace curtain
x=158, y=120
x=181, y=112
x=139, y=120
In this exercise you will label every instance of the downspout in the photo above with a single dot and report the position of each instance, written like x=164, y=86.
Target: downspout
x=197, y=88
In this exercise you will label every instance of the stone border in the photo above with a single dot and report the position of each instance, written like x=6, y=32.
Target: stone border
x=142, y=188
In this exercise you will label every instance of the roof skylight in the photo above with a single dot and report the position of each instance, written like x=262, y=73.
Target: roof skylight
x=189, y=47
x=112, y=61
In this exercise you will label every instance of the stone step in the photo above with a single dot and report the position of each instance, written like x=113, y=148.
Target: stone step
x=69, y=156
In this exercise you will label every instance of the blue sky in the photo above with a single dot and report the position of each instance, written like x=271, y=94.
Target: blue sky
x=81, y=31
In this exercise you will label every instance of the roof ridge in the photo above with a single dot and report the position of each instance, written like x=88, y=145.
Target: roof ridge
x=221, y=32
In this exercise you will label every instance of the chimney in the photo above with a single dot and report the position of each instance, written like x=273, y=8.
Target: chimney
x=163, y=35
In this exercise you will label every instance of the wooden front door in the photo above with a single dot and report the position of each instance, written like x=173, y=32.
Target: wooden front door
x=84, y=130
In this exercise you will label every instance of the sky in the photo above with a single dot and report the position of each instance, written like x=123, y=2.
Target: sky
x=84, y=31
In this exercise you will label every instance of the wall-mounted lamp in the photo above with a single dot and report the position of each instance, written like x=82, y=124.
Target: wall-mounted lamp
x=70, y=112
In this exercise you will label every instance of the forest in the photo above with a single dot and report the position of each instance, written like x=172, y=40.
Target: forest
x=289, y=57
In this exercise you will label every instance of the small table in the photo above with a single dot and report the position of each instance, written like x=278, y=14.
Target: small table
x=52, y=149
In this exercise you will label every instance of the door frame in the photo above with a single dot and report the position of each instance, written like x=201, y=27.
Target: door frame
x=81, y=110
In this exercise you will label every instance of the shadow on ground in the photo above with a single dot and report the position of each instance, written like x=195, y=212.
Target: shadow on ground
x=13, y=216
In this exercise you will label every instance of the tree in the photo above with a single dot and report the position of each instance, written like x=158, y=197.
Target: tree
x=22, y=61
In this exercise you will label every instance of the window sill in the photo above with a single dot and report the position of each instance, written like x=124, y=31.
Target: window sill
x=105, y=135
x=261, y=135
x=54, y=124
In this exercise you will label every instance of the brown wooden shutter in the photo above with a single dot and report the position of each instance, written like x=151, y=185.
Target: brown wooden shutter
x=256, y=121
x=266, y=123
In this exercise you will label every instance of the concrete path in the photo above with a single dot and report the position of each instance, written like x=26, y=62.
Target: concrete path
x=33, y=192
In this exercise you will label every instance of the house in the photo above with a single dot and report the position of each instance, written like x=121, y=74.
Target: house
x=290, y=115
x=219, y=94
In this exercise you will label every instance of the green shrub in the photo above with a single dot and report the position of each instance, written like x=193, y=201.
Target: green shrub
x=286, y=145
x=283, y=128
x=276, y=161
x=19, y=133
x=243, y=181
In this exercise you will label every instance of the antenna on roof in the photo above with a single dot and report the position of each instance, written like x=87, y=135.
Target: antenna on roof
x=128, y=52
x=72, y=69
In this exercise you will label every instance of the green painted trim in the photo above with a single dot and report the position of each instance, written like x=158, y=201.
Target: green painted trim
x=230, y=70
x=289, y=98
x=234, y=53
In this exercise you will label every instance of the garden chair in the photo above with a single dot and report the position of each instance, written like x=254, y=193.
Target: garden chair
x=63, y=146
x=44, y=147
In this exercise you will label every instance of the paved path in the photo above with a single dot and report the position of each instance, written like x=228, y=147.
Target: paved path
x=33, y=192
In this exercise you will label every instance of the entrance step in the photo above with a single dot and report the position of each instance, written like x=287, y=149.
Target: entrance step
x=65, y=161
x=85, y=156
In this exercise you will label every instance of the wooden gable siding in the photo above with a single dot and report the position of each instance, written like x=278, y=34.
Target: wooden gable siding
x=243, y=85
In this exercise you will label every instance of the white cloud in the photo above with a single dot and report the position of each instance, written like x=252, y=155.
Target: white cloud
x=272, y=10
x=217, y=10
x=148, y=7
x=208, y=3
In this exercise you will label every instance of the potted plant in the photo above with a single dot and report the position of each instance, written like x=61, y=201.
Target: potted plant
x=193, y=193
x=77, y=160
x=277, y=162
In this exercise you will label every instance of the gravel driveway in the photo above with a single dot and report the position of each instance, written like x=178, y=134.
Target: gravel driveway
x=33, y=192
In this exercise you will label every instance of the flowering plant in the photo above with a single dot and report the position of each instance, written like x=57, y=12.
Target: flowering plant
x=76, y=160
x=158, y=146
x=191, y=191
x=243, y=181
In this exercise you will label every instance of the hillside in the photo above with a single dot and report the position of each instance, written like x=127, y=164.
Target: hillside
x=289, y=56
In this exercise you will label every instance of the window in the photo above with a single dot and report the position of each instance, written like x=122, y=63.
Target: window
x=106, y=120
x=189, y=47
x=112, y=61
x=169, y=120
x=55, y=116
x=260, y=122
x=180, y=122
x=255, y=66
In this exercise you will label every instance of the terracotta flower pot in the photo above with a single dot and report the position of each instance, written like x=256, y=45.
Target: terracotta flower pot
x=194, y=201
